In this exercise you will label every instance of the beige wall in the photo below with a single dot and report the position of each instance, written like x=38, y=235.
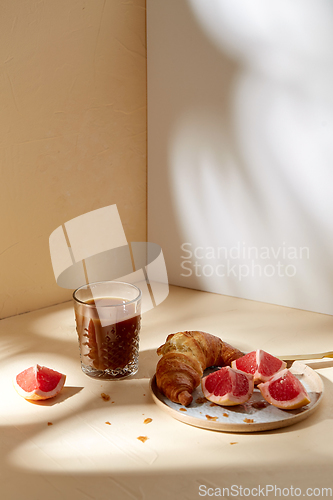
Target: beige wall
x=72, y=131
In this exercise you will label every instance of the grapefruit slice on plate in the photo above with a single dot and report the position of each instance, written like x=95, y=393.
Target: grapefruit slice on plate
x=284, y=391
x=227, y=386
x=260, y=364
x=39, y=382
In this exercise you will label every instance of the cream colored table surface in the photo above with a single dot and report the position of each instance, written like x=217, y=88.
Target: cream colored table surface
x=79, y=456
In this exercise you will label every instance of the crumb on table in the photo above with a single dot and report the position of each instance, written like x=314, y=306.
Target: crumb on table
x=105, y=397
x=147, y=420
x=143, y=439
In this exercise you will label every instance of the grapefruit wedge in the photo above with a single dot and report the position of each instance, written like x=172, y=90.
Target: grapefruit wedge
x=260, y=364
x=227, y=386
x=39, y=382
x=284, y=391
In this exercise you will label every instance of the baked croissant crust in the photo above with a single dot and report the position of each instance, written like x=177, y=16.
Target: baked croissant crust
x=185, y=356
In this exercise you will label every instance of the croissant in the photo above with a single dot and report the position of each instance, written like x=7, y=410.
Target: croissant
x=185, y=356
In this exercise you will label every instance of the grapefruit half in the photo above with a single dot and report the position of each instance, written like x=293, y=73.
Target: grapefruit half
x=228, y=386
x=260, y=364
x=39, y=382
x=284, y=391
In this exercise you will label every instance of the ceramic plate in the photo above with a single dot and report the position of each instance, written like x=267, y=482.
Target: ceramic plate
x=253, y=416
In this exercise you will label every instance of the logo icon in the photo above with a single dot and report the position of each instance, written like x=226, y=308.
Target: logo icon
x=93, y=247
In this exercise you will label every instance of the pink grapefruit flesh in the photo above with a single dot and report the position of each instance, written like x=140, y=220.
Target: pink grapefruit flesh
x=284, y=391
x=228, y=386
x=39, y=382
x=260, y=364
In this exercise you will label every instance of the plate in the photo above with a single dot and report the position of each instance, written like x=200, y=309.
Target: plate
x=253, y=416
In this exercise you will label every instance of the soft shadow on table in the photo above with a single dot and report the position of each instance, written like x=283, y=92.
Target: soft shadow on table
x=66, y=393
x=178, y=481
x=147, y=364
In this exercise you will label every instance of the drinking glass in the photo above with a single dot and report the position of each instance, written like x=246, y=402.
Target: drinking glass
x=108, y=321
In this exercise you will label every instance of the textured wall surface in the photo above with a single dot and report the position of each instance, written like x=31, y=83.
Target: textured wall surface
x=72, y=131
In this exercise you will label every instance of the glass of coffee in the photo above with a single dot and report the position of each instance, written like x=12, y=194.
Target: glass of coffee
x=108, y=320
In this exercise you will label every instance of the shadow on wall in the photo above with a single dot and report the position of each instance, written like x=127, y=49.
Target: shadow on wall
x=257, y=178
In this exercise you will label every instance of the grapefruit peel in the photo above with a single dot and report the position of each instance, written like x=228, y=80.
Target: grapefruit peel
x=275, y=391
x=277, y=384
x=39, y=383
x=228, y=386
x=260, y=364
